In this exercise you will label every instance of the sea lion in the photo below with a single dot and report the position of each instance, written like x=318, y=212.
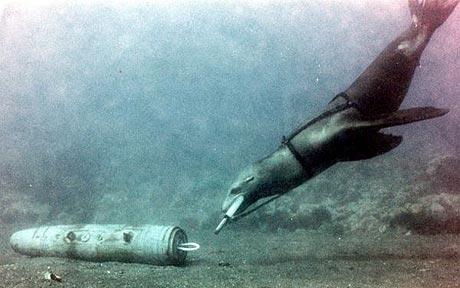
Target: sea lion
x=348, y=129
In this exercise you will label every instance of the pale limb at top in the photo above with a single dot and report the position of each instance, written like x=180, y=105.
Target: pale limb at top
x=431, y=13
x=383, y=85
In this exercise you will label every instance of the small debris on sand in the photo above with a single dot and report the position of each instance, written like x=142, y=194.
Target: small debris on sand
x=52, y=276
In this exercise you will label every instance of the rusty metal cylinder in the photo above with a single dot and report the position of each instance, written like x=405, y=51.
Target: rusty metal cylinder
x=158, y=245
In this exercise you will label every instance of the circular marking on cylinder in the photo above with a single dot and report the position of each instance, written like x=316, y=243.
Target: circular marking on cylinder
x=85, y=237
x=189, y=246
x=99, y=237
x=128, y=236
x=70, y=237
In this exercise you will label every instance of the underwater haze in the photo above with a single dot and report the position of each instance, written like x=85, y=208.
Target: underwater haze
x=145, y=112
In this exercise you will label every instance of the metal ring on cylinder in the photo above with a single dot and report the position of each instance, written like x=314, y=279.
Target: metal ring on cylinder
x=190, y=246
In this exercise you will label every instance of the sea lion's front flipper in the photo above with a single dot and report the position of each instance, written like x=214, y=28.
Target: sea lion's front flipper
x=370, y=145
x=400, y=117
x=366, y=142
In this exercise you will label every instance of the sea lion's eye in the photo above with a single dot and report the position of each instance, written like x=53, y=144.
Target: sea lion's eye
x=249, y=179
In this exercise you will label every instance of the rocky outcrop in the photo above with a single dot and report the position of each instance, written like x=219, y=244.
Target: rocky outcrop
x=433, y=204
x=431, y=214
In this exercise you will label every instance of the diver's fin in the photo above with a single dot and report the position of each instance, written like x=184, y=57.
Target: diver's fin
x=400, y=117
x=370, y=145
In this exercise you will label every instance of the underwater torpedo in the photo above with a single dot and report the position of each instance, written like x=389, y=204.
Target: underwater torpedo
x=348, y=129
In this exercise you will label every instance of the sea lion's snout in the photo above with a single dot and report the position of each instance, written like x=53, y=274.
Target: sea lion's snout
x=235, y=202
x=239, y=197
x=245, y=185
x=227, y=202
x=231, y=207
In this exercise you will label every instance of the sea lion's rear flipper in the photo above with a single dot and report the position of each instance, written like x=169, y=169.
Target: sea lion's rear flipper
x=431, y=13
x=400, y=117
x=370, y=145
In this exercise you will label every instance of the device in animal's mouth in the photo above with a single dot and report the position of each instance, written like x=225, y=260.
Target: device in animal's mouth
x=231, y=211
x=237, y=206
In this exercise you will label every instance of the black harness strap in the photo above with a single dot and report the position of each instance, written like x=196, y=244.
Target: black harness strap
x=343, y=95
x=297, y=156
x=243, y=214
x=287, y=140
x=348, y=104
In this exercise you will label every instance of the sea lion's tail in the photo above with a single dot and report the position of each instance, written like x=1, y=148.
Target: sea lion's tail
x=430, y=14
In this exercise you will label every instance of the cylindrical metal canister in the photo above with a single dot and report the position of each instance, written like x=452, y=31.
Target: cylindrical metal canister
x=141, y=244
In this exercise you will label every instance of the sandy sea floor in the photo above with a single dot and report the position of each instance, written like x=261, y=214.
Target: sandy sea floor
x=256, y=259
